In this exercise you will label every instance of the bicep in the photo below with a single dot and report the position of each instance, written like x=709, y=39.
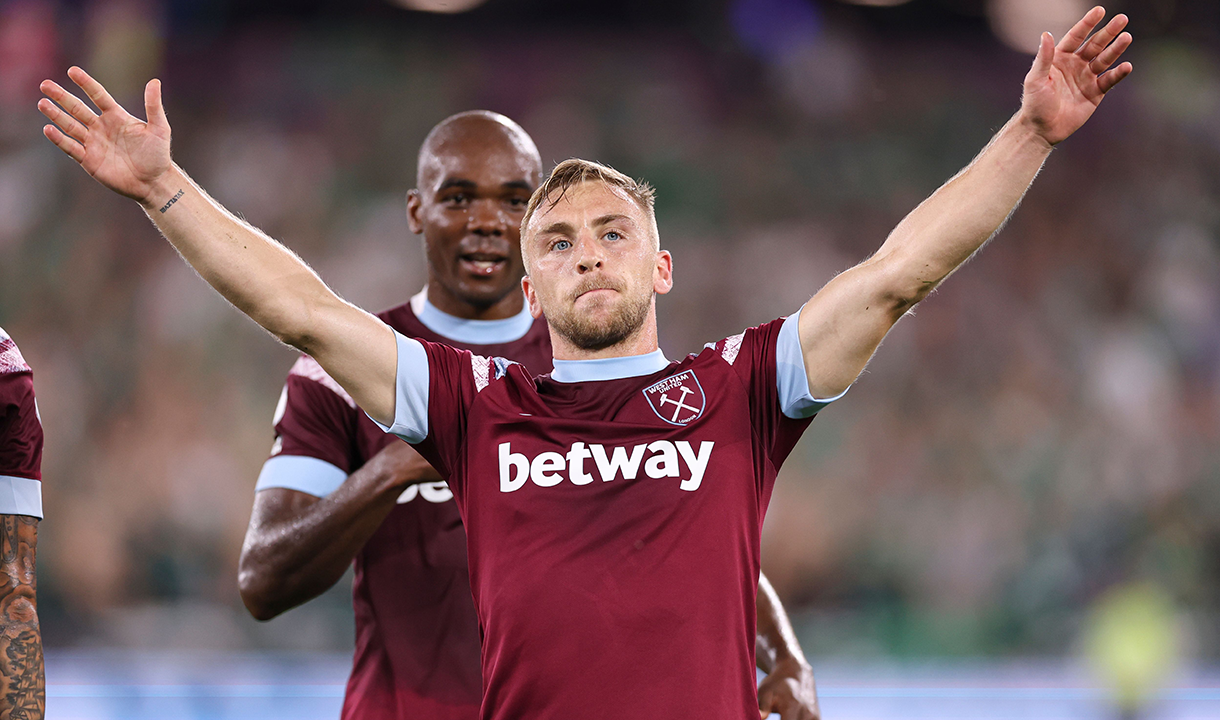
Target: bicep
x=843, y=324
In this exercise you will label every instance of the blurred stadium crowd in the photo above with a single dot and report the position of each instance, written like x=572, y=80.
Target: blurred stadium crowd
x=1047, y=428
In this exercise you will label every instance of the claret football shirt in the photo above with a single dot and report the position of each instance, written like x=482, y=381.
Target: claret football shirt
x=417, y=637
x=20, y=435
x=613, y=512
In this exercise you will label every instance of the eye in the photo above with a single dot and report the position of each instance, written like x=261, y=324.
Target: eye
x=561, y=245
x=518, y=203
x=613, y=235
x=458, y=199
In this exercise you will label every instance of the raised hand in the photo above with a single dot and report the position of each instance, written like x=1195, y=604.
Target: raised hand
x=116, y=148
x=1068, y=80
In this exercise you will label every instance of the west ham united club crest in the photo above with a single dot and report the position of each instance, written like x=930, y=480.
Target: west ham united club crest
x=678, y=399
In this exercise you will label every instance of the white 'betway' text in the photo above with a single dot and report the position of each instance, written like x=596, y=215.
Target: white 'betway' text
x=547, y=469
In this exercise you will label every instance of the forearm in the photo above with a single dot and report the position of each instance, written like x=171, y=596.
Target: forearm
x=847, y=319
x=269, y=283
x=776, y=640
x=258, y=275
x=23, y=694
x=292, y=555
x=789, y=687
x=952, y=224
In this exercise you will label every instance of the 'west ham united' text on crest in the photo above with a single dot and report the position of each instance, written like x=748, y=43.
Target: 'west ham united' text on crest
x=678, y=399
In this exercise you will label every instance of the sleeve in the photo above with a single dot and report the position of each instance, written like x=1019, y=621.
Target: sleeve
x=769, y=361
x=20, y=447
x=315, y=427
x=434, y=389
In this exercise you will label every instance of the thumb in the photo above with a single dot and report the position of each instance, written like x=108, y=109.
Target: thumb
x=152, y=105
x=1044, y=58
x=766, y=704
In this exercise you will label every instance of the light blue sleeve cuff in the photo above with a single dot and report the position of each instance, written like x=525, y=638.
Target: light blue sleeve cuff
x=301, y=473
x=411, y=392
x=790, y=377
x=20, y=496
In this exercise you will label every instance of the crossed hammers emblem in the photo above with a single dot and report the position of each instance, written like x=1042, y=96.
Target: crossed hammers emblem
x=679, y=403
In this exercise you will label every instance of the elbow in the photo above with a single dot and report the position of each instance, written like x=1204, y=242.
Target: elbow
x=901, y=288
x=900, y=300
x=257, y=595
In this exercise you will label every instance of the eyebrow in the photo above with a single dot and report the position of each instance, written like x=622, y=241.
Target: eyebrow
x=470, y=184
x=607, y=219
x=456, y=182
x=558, y=228
x=564, y=228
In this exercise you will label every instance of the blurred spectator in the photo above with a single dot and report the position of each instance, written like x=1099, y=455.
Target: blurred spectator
x=1045, y=429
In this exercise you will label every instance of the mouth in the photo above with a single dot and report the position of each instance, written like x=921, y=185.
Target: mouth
x=593, y=292
x=482, y=264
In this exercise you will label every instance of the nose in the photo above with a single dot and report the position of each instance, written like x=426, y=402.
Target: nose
x=487, y=218
x=589, y=255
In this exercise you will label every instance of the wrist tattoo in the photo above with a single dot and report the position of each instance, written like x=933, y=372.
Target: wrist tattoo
x=172, y=200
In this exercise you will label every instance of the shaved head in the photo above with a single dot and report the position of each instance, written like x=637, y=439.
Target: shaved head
x=476, y=172
x=456, y=133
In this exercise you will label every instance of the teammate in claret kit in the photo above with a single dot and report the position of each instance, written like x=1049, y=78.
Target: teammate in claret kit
x=608, y=580
x=338, y=488
x=22, y=688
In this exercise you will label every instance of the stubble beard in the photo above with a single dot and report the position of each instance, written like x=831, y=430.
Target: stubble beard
x=586, y=334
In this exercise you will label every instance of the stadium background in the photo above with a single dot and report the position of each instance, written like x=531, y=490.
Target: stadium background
x=1045, y=434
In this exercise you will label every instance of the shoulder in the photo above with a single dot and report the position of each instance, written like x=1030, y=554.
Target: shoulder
x=744, y=343
x=483, y=369
x=11, y=360
x=307, y=369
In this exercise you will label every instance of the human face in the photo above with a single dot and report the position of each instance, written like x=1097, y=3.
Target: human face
x=472, y=196
x=594, y=270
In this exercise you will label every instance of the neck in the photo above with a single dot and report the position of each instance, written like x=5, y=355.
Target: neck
x=640, y=342
x=450, y=304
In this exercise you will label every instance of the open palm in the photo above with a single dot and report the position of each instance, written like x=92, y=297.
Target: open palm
x=1069, y=80
x=117, y=149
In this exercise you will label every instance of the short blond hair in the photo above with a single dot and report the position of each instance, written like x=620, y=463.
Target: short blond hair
x=575, y=171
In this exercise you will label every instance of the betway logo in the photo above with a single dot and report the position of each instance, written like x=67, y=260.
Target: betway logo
x=548, y=469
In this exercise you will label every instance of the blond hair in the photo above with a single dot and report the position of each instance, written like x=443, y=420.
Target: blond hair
x=576, y=171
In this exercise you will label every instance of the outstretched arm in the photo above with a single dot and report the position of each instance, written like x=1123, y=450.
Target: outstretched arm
x=261, y=277
x=843, y=324
x=789, y=688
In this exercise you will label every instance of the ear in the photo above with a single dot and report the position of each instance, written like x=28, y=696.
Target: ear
x=663, y=273
x=531, y=298
x=414, y=206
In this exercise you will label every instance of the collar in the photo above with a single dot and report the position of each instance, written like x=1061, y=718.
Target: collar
x=574, y=371
x=471, y=332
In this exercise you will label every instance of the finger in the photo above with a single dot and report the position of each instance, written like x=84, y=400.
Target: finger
x=74, y=105
x=93, y=89
x=153, y=105
x=1112, y=77
x=66, y=122
x=1102, y=38
x=1076, y=36
x=71, y=148
x=1111, y=53
x=1044, y=58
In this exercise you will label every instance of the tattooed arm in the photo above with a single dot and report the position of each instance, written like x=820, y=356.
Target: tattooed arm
x=22, y=686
